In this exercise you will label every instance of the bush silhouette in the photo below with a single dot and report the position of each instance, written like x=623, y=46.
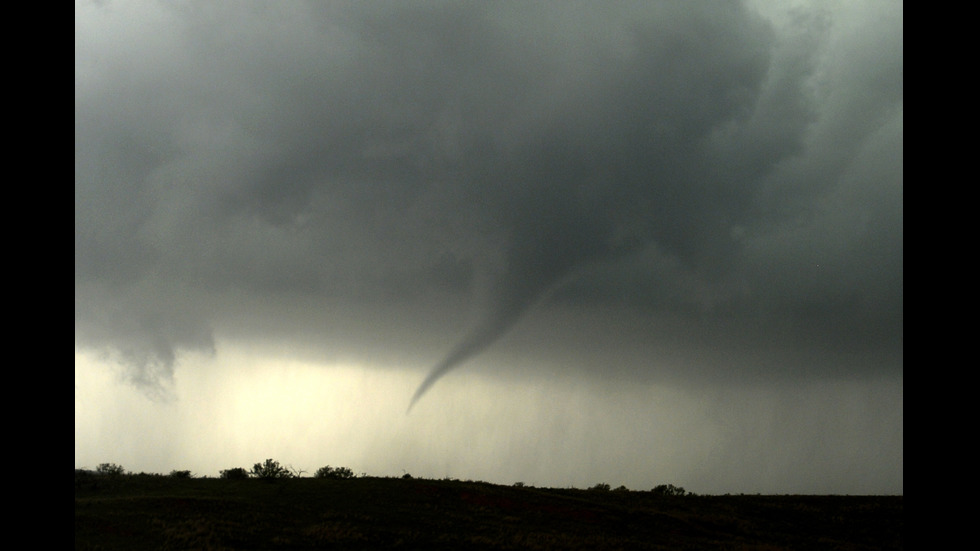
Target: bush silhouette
x=270, y=469
x=180, y=474
x=110, y=469
x=600, y=487
x=668, y=490
x=333, y=472
x=237, y=473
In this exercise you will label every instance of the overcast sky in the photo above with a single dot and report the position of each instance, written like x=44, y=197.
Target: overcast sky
x=623, y=242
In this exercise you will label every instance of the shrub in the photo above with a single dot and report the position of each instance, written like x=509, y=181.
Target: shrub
x=237, y=473
x=180, y=474
x=270, y=469
x=668, y=490
x=110, y=469
x=600, y=487
x=333, y=472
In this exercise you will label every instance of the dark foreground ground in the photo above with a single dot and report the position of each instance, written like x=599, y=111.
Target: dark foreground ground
x=143, y=512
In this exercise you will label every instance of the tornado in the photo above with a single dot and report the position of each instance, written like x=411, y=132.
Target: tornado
x=488, y=331
x=513, y=298
x=549, y=245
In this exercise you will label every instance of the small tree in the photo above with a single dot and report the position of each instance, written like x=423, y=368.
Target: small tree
x=333, y=472
x=110, y=469
x=270, y=469
x=668, y=490
x=238, y=473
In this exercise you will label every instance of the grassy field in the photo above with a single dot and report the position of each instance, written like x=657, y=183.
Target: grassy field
x=147, y=512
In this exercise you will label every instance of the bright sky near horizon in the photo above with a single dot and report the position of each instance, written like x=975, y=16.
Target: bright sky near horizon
x=631, y=242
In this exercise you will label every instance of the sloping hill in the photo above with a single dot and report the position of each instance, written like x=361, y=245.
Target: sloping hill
x=157, y=512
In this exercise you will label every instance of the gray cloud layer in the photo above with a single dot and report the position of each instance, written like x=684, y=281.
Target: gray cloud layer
x=678, y=183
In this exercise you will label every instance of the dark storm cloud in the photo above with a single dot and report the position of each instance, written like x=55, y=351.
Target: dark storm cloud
x=687, y=162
